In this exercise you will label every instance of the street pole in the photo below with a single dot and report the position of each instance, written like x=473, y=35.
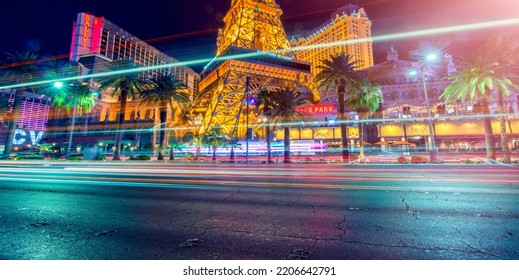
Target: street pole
x=247, y=89
x=69, y=148
x=433, y=152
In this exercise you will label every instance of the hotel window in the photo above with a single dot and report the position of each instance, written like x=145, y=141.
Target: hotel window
x=117, y=48
x=104, y=41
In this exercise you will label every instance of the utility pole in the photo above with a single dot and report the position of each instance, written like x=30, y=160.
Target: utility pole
x=247, y=92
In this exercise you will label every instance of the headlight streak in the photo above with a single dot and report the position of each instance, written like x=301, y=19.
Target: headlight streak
x=299, y=178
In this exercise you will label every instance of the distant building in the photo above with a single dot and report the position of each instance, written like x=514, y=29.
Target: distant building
x=32, y=123
x=348, y=23
x=96, y=42
x=403, y=113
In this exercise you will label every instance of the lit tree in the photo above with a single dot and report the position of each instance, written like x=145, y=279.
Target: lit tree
x=284, y=112
x=166, y=90
x=125, y=82
x=198, y=142
x=365, y=100
x=338, y=74
x=505, y=50
x=477, y=76
x=174, y=144
x=215, y=138
x=76, y=96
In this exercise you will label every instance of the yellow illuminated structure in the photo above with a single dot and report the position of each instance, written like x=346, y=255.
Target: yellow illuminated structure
x=347, y=24
x=255, y=42
x=253, y=25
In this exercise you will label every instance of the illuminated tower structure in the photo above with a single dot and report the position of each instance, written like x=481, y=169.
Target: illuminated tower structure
x=251, y=55
x=348, y=24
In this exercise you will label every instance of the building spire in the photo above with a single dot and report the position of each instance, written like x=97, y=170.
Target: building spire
x=254, y=25
x=392, y=54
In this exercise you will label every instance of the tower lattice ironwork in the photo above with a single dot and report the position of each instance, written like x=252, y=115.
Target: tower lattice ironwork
x=251, y=56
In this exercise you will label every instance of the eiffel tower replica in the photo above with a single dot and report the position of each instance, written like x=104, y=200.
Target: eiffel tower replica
x=251, y=56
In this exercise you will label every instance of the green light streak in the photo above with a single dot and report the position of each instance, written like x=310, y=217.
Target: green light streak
x=388, y=37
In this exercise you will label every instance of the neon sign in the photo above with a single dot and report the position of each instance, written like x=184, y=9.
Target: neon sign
x=87, y=34
x=86, y=29
x=20, y=136
x=316, y=109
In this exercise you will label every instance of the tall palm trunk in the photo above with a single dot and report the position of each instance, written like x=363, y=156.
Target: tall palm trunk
x=71, y=134
x=214, y=153
x=487, y=126
x=344, y=140
x=502, y=125
x=266, y=107
x=287, y=145
x=269, y=153
x=172, y=154
x=162, y=130
x=12, y=124
x=232, y=157
x=120, y=122
x=361, y=137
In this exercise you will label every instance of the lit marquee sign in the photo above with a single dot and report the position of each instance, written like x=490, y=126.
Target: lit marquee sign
x=87, y=35
x=316, y=109
x=20, y=136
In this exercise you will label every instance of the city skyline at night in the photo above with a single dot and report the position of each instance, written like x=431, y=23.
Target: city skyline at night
x=231, y=137
x=189, y=31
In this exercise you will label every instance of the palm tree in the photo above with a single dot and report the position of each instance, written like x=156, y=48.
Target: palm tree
x=215, y=138
x=284, y=112
x=338, y=74
x=78, y=97
x=127, y=84
x=198, y=142
x=365, y=101
x=23, y=69
x=265, y=103
x=233, y=143
x=478, y=75
x=504, y=49
x=174, y=144
x=166, y=90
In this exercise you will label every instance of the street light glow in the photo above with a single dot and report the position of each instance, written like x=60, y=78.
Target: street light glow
x=432, y=57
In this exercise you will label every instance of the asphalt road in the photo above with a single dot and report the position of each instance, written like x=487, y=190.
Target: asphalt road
x=206, y=211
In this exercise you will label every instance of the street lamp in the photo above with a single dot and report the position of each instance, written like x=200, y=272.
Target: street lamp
x=59, y=85
x=434, y=150
x=247, y=94
x=263, y=121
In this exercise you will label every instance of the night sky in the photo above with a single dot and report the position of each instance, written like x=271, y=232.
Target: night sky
x=46, y=26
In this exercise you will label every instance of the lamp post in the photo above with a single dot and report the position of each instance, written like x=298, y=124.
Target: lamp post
x=263, y=120
x=247, y=94
x=59, y=85
x=434, y=151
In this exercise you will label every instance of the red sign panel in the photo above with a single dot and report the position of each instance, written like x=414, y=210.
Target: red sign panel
x=87, y=35
x=316, y=109
x=96, y=34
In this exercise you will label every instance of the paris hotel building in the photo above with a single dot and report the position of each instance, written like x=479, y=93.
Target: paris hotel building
x=402, y=115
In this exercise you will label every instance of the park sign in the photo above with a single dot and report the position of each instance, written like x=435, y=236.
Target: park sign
x=320, y=109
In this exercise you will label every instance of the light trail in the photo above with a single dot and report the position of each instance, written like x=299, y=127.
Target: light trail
x=381, y=38
x=349, y=183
